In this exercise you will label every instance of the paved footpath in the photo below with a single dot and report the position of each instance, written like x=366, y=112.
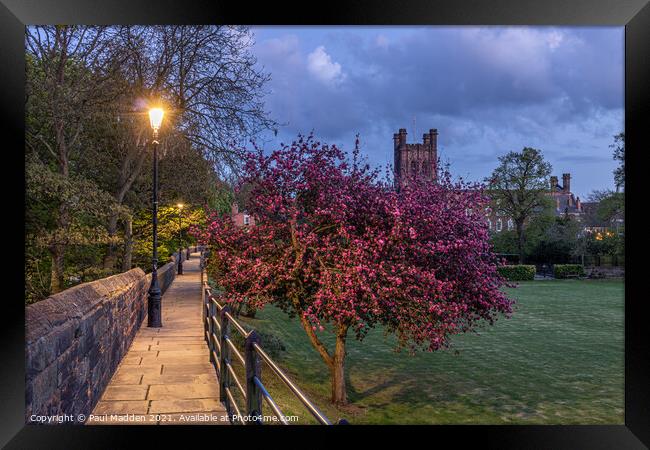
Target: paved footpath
x=166, y=376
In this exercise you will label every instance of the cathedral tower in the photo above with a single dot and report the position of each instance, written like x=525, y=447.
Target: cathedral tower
x=415, y=159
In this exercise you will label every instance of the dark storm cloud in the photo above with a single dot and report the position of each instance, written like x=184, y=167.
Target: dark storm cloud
x=488, y=90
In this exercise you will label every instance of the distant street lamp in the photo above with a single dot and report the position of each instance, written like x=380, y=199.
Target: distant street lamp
x=154, y=312
x=180, y=245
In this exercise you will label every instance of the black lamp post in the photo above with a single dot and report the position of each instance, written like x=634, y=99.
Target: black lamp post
x=154, y=313
x=180, y=245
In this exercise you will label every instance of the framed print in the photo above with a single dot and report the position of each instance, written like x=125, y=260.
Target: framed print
x=380, y=218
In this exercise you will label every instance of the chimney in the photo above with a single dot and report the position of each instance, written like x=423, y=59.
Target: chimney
x=234, y=209
x=396, y=140
x=425, y=139
x=553, y=184
x=578, y=204
x=566, y=182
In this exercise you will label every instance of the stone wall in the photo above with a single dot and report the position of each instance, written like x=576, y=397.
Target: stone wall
x=75, y=339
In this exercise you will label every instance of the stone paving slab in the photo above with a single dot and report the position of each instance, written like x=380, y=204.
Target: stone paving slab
x=177, y=378
x=187, y=359
x=166, y=377
x=120, y=407
x=191, y=405
x=125, y=392
x=177, y=346
x=169, y=369
x=182, y=391
x=129, y=369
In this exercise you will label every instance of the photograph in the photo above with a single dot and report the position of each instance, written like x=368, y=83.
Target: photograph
x=376, y=225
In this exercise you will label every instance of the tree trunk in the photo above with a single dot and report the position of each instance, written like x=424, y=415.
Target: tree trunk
x=110, y=257
x=250, y=312
x=57, y=252
x=125, y=182
x=339, y=390
x=128, y=244
x=520, y=241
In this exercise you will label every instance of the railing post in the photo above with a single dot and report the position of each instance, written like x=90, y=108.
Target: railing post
x=224, y=359
x=209, y=324
x=253, y=369
x=208, y=312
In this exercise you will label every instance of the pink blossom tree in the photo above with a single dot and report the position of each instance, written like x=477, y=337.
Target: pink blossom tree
x=343, y=251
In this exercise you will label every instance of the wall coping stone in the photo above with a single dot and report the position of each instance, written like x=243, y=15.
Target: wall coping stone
x=75, y=302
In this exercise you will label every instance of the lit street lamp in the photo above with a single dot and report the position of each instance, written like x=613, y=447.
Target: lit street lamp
x=180, y=245
x=154, y=312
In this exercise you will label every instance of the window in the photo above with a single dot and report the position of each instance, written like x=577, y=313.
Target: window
x=414, y=168
x=511, y=224
x=489, y=224
x=499, y=225
x=247, y=219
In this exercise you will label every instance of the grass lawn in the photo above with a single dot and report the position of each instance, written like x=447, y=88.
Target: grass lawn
x=558, y=360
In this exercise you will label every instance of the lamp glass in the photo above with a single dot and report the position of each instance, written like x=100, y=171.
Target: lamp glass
x=156, y=117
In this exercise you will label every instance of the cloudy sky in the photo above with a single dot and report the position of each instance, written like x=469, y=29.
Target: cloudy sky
x=487, y=90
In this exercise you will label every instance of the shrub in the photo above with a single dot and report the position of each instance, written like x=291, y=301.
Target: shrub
x=519, y=272
x=567, y=270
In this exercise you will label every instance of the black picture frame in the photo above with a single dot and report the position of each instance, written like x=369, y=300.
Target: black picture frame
x=633, y=14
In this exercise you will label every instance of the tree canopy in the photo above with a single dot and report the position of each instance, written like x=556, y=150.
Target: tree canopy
x=88, y=151
x=619, y=156
x=518, y=187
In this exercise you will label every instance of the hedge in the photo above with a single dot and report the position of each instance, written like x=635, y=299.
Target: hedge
x=568, y=270
x=519, y=272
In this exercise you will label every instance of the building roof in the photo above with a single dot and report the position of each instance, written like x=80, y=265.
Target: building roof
x=565, y=202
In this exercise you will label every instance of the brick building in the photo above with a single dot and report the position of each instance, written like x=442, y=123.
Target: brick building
x=565, y=202
x=241, y=218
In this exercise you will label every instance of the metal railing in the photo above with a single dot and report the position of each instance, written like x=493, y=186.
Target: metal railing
x=218, y=323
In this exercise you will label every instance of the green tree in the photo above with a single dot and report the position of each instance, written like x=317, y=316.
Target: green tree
x=619, y=155
x=610, y=209
x=611, y=206
x=173, y=233
x=605, y=243
x=505, y=242
x=518, y=187
x=207, y=79
x=62, y=91
x=86, y=207
x=552, y=240
x=88, y=89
